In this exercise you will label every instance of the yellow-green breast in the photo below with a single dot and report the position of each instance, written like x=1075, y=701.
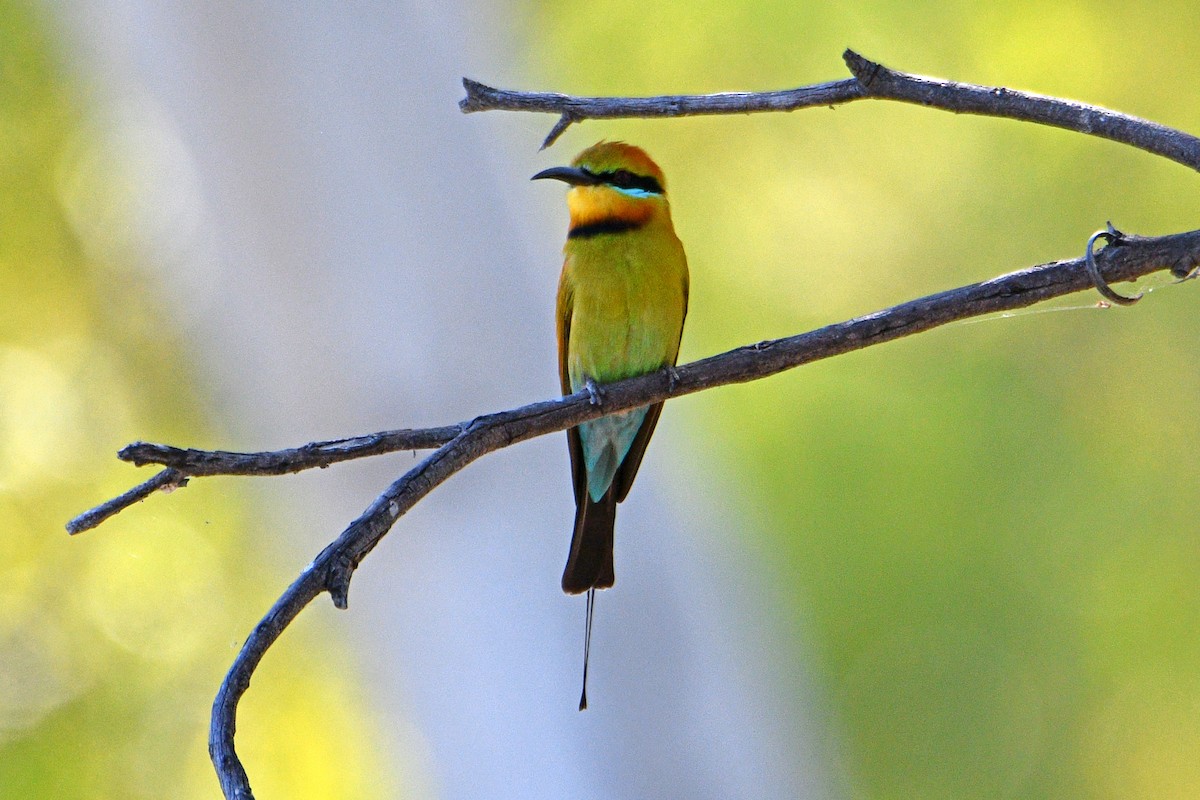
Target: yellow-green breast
x=629, y=297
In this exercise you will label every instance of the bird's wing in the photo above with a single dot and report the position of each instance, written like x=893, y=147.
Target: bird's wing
x=563, y=312
x=623, y=480
x=633, y=459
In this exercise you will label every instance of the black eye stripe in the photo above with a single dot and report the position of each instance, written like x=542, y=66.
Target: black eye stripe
x=624, y=179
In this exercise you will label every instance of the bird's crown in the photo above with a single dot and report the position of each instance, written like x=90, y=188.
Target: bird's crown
x=624, y=166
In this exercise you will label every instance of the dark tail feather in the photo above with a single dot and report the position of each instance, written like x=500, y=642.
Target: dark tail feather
x=590, y=564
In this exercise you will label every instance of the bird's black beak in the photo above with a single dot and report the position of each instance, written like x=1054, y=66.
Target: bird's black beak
x=572, y=175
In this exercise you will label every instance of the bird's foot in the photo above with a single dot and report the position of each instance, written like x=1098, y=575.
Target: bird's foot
x=595, y=395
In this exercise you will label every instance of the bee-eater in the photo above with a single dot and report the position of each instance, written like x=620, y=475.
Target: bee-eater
x=622, y=299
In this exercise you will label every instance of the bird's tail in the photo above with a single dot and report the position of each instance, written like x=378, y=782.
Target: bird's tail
x=590, y=564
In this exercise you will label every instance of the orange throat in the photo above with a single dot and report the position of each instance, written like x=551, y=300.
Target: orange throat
x=594, y=207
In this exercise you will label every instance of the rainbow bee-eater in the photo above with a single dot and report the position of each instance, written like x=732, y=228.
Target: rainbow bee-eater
x=622, y=299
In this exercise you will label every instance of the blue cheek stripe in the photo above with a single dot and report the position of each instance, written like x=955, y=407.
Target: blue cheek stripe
x=635, y=192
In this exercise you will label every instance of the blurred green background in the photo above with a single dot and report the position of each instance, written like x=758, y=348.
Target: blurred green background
x=984, y=534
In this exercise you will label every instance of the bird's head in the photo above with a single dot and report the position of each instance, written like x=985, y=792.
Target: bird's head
x=614, y=183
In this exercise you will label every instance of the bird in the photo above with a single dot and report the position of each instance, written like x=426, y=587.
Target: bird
x=622, y=300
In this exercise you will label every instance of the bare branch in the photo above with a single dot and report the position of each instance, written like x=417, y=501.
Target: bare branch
x=481, y=97
x=964, y=98
x=1125, y=259
x=167, y=479
x=185, y=462
x=283, y=462
x=870, y=81
x=558, y=130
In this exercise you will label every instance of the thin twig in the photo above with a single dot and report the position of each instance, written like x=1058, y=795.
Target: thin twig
x=166, y=479
x=1128, y=259
x=183, y=463
x=871, y=81
x=481, y=97
x=283, y=462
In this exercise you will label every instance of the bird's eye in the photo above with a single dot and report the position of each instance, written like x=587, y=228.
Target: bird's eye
x=622, y=178
x=628, y=181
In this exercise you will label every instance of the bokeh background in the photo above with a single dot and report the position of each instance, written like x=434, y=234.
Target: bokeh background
x=958, y=566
